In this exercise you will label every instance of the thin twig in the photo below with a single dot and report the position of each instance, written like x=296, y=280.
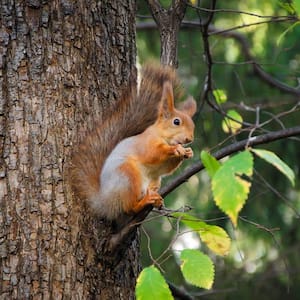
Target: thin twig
x=236, y=11
x=271, y=232
x=223, y=31
x=277, y=193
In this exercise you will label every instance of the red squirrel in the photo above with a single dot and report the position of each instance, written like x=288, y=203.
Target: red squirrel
x=118, y=167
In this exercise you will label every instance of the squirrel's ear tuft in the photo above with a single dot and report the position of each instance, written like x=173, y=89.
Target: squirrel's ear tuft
x=189, y=106
x=167, y=100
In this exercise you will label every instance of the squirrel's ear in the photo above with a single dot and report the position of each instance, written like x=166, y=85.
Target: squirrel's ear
x=189, y=106
x=167, y=99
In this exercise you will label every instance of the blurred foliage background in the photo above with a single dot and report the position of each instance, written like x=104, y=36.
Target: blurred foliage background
x=264, y=261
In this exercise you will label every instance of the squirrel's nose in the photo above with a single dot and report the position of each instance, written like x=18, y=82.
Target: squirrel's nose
x=188, y=139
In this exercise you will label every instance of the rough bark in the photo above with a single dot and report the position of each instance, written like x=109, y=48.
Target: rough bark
x=62, y=65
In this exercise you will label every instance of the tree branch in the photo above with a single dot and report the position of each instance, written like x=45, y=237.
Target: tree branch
x=238, y=146
x=179, y=293
x=258, y=70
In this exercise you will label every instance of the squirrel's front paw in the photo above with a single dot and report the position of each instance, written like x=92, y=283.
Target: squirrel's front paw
x=180, y=151
x=188, y=153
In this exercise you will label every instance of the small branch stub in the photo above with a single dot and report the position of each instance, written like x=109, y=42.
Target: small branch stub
x=168, y=22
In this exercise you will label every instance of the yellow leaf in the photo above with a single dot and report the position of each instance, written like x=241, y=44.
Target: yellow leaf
x=233, y=123
x=216, y=239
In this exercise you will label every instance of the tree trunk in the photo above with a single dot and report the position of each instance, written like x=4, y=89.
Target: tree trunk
x=62, y=64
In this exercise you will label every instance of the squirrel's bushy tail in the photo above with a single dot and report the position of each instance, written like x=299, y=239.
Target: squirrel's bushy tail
x=135, y=112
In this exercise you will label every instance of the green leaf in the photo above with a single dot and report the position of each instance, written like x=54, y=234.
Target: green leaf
x=197, y=268
x=215, y=237
x=152, y=285
x=230, y=190
x=297, y=6
x=274, y=160
x=210, y=163
x=229, y=125
x=220, y=96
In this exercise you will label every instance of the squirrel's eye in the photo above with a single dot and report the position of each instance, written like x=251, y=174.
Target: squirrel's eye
x=177, y=121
